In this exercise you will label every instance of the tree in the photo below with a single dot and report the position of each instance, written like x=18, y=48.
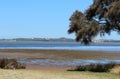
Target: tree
x=102, y=17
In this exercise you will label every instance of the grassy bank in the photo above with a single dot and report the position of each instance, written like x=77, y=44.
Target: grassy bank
x=34, y=74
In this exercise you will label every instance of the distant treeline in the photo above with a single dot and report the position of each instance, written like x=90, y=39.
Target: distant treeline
x=38, y=39
x=55, y=39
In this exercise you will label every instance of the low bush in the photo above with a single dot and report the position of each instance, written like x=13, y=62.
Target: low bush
x=11, y=64
x=96, y=67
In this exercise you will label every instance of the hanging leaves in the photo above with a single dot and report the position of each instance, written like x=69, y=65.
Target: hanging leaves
x=101, y=17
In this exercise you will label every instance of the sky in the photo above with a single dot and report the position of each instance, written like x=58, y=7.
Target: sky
x=39, y=18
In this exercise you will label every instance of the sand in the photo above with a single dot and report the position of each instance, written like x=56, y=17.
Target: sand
x=55, y=54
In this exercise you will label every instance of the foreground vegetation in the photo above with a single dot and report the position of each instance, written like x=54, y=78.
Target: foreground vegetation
x=98, y=67
x=41, y=74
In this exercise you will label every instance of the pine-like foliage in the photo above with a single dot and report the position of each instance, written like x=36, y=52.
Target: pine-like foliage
x=103, y=16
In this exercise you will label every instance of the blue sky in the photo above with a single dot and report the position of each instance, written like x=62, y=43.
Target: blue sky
x=38, y=18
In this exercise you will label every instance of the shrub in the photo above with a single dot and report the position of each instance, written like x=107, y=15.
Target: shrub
x=96, y=67
x=11, y=64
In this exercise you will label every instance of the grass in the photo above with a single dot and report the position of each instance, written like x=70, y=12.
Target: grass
x=115, y=70
x=35, y=74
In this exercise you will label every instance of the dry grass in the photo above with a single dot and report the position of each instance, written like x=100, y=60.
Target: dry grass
x=34, y=74
x=116, y=70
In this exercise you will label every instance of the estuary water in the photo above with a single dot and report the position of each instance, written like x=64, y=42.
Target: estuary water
x=74, y=62
x=106, y=46
x=111, y=47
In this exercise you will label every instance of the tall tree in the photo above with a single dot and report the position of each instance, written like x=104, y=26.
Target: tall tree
x=103, y=16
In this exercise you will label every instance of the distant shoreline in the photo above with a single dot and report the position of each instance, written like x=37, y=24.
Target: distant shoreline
x=62, y=39
x=40, y=39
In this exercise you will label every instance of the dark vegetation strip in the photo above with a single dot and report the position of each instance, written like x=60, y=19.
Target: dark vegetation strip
x=98, y=67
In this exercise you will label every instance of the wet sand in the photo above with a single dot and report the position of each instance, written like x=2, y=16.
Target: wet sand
x=49, y=68
x=54, y=54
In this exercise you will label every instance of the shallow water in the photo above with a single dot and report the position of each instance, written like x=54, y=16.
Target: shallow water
x=107, y=47
x=75, y=62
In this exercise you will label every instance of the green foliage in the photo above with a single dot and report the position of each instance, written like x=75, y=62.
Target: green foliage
x=103, y=16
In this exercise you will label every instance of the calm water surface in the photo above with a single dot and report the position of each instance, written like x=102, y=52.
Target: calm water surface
x=110, y=47
x=113, y=47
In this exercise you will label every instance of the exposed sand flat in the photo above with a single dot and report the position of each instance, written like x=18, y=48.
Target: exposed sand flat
x=55, y=54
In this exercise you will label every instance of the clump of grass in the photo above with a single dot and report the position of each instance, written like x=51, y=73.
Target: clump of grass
x=96, y=67
x=6, y=63
x=115, y=70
